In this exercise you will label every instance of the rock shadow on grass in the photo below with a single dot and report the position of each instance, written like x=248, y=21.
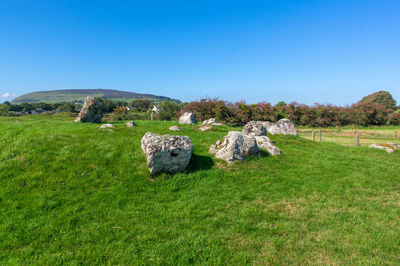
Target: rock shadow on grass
x=199, y=162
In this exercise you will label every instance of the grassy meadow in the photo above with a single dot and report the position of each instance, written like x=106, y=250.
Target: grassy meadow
x=72, y=193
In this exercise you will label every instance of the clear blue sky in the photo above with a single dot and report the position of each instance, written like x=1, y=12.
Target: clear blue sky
x=305, y=51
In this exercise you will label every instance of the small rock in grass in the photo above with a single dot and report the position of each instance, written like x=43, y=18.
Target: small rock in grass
x=212, y=122
x=175, y=128
x=106, y=126
x=209, y=121
x=388, y=147
x=204, y=128
x=131, y=124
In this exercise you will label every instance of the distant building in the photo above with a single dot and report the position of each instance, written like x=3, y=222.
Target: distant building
x=155, y=109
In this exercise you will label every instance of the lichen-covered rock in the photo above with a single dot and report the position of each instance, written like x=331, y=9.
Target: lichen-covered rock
x=131, y=124
x=103, y=126
x=204, y=128
x=254, y=128
x=90, y=111
x=187, y=119
x=236, y=146
x=388, y=147
x=283, y=127
x=265, y=143
x=166, y=153
x=175, y=128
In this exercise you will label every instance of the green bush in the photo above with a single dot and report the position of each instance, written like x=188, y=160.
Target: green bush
x=168, y=110
x=4, y=109
x=394, y=119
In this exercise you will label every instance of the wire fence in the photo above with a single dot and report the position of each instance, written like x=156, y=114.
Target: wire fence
x=357, y=135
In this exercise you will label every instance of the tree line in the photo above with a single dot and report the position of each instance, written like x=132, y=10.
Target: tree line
x=375, y=109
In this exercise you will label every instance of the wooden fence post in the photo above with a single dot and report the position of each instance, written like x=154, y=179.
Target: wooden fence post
x=357, y=140
x=313, y=135
x=151, y=116
x=320, y=135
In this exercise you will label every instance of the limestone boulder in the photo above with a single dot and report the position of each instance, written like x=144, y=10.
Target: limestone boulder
x=265, y=143
x=166, y=153
x=236, y=146
x=187, y=119
x=283, y=127
x=254, y=128
x=90, y=111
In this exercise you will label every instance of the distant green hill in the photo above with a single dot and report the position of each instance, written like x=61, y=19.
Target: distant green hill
x=58, y=96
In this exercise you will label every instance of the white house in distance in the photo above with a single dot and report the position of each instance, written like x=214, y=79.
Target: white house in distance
x=155, y=109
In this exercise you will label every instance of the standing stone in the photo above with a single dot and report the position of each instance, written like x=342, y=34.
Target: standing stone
x=166, y=153
x=90, y=111
x=265, y=143
x=283, y=126
x=254, y=128
x=187, y=119
x=235, y=147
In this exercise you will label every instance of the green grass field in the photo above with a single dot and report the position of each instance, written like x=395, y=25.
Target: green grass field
x=72, y=193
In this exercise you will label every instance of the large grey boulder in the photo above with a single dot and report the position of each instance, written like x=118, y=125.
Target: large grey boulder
x=388, y=147
x=283, y=127
x=254, y=128
x=90, y=111
x=187, y=119
x=236, y=146
x=265, y=143
x=166, y=153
